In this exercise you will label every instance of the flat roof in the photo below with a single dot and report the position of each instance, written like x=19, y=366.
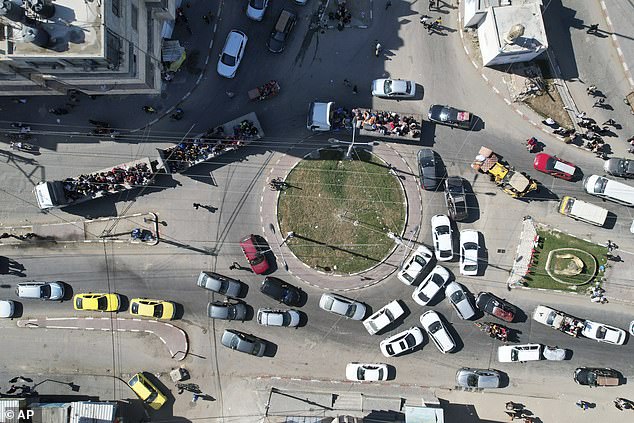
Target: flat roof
x=529, y=15
x=76, y=30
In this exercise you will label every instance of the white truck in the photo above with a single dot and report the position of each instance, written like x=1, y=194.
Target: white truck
x=327, y=116
x=583, y=211
x=558, y=320
x=383, y=317
x=75, y=190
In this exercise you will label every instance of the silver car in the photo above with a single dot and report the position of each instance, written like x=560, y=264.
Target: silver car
x=459, y=300
x=342, y=306
x=619, y=167
x=226, y=310
x=219, y=284
x=243, y=342
x=393, y=88
x=268, y=317
x=427, y=169
x=53, y=291
x=478, y=378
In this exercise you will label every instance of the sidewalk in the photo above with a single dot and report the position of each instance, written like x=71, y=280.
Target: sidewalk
x=108, y=108
x=331, y=281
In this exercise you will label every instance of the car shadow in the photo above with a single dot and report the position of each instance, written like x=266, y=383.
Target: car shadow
x=428, y=133
x=478, y=124
x=420, y=93
x=610, y=221
x=520, y=316
x=483, y=255
x=18, y=309
x=124, y=304
x=391, y=372
x=179, y=311
x=303, y=298
x=577, y=176
x=244, y=290
x=504, y=379
x=473, y=206
x=271, y=349
x=454, y=334
x=68, y=291
x=303, y=319
x=250, y=314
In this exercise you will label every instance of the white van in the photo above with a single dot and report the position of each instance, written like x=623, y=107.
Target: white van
x=519, y=353
x=319, y=114
x=609, y=189
x=580, y=210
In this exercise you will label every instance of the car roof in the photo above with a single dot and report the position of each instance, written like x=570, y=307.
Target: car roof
x=234, y=39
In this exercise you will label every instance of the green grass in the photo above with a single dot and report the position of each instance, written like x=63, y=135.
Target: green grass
x=552, y=240
x=327, y=196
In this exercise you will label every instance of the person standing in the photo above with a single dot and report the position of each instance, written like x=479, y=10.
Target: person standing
x=593, y=29
x=388, y=3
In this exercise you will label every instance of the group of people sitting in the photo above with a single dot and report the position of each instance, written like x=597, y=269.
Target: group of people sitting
x=271, y=88
x=117, y=179
x=342, y=15
x=214, y=141
x=387, y=123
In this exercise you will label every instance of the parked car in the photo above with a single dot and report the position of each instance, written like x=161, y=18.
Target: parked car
x=243, y=342
x=366, y=372
x=597, y=376
x=469, y=251
x=554, y=166
x=459, y=299
x=619, y=167
x=93, y=301
x=519, y=353
x=342, y=306
x=232, y=53
x=402, y=342
x=281, y=291
x=393, y=88
x=283, y=27
x=256, y=9
x=414, y=267
x=383, y=317
x=603, y=333
x=427, y=169
x=450, y=116
x=158, y=309
x=146, y=391
x=255, y=254
x=7, y=309
x=53, y=291
x=437, y=331
x=269, y=317
x=496, y=306
x=226, y=310
x=478, y=378
x=219, y=284
x=431, y=285
x=455, y=198
x=441, y=234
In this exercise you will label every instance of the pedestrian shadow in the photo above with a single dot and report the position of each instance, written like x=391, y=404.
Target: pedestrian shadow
x=11, y=267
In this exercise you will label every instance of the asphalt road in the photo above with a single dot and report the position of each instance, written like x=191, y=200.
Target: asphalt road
x=313, y=67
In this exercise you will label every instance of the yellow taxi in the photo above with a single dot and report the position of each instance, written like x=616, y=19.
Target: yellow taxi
x=93, y=301
x=158, y=309
x=146, y=390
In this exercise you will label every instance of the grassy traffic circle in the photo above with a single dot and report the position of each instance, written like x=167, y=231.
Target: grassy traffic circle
x=341, y=211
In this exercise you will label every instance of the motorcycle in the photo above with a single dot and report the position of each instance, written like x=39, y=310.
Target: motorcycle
x=494, y=330
x=532, y=145
x=26, y=147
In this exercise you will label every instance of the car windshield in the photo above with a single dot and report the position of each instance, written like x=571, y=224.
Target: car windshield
x=472, y=380
x=420, y=260
x=228, y=59
x=427, y=161
x=259, y=258
x=328, y=303
x=550, y=163
x=409, y=340
x=442, y=230
x=514, y=355
x=601, y=332
x=152, y=397
x=599, y=185
x=45, y=291
x=102, y=303
x=407, y=277
x=591, y=377
x=387, y=87
x=231, y=312
x=470, y=246
x=457, y=296
x=437, y=279
x=257, y=4
x=158, y=310
x=351, y=309
x=435, y=327
x=360, y=373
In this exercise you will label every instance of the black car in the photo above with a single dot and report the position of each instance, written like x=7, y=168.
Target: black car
x=283, y=26
x=496, y=306
x=281, y=291
x=619, y=167
x=446, y=115
x=596, y=376
x=427, y=168
x=455, y=198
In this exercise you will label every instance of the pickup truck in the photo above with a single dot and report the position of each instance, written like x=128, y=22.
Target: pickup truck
x=558, y=320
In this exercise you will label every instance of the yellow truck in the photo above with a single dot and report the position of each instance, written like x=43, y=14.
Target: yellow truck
x=514, y=183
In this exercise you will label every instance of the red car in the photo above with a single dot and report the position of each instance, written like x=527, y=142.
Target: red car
x=554, y=166
x=254, y=253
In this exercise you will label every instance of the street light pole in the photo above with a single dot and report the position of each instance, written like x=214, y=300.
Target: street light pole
x=288, y=235
x=354, y=131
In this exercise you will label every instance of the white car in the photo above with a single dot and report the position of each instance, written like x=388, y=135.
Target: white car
x=431, y=286
x=268, y=317
x=232, y=53
x=366, y=371
x=383, y=317
x=402, y=342
x=437, y=331
x=342, y=306
x=469, y=249
x=441, y=233
x=393, y=88
x=459, y=299
x=519, y=353
x=415, y=265
x=603, y=333
x=7, y=308
x=256, y=9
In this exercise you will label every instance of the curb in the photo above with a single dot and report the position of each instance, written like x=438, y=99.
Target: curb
x=617, y=45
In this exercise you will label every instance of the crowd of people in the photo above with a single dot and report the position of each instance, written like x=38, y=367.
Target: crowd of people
x=387, y=123
x=117, y=179
x=342, y=14
x=212, y=143
x=269, y=89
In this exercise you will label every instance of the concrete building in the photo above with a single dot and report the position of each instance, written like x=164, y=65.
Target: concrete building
x=507, y=33
x=93, y=46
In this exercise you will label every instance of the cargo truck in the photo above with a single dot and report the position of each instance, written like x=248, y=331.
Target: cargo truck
x=514, y=183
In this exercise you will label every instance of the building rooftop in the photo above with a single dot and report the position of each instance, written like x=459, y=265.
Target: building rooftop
x=75, y=30
x=502, y=19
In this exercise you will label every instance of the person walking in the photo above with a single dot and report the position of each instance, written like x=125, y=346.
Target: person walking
x=377, y=48
x=591, y=90
x=584, y=405
x=355, y=90
x=593, y=29
x=235, y=265
x=196, y=205
x=610, y=122
x=206, y=19
x=599, y=103
x=347, y=83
